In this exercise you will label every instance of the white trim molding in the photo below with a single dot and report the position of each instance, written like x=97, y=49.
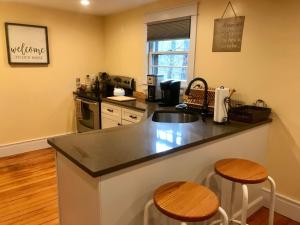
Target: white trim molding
x=283, y=205
x=193, y=42
x=173, y=13
x=26, y=146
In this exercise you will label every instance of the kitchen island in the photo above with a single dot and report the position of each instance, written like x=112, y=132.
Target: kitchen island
x=106, y=176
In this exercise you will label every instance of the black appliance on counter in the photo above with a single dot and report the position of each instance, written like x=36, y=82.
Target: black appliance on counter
x=170, y=91
x=249, y=113
x=154, y=91
x=103, y=80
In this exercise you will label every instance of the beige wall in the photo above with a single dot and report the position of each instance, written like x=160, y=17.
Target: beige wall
x=37, y=101
x=267, y=67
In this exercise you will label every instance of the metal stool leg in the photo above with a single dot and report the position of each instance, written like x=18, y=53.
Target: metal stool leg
x=224, y=215
x=208, y=178
x=230, y=214
x=224, y=220
x=244, y=205
x=146, y=211
x=207, y=183
x=272, y=200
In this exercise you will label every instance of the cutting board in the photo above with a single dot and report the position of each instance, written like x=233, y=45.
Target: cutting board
x=121, y=98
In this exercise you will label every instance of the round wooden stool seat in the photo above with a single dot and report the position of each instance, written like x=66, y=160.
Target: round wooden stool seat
x=186, y=201
x=241, y=171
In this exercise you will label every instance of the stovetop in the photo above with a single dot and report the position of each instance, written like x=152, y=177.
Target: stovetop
x=89, y=95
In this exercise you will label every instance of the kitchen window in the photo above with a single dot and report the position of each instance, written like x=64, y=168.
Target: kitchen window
x=169, y=58
x=171, y=39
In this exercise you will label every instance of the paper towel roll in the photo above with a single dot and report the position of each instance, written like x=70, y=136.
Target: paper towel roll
x=220, y=112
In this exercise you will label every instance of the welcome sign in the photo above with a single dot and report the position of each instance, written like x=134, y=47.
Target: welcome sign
x=27, y=44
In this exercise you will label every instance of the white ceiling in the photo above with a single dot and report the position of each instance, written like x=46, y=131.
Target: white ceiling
x=99, y=7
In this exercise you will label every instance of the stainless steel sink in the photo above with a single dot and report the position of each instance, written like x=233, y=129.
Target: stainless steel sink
x=174, y=117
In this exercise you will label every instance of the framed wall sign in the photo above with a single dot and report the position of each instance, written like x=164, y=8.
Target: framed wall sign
x=228, y=34
x=27, y=44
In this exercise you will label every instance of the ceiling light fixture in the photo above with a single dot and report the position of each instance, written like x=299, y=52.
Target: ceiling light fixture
x=85, y=2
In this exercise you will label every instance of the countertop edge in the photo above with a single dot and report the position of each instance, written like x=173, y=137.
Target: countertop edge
x=123, y=104
x=154, y=156
x=70, y=158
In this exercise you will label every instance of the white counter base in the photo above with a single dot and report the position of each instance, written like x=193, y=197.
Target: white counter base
x=118, y=198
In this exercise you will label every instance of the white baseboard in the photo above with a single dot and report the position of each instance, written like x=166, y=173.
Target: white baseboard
x=26, y=146
x=283, y=205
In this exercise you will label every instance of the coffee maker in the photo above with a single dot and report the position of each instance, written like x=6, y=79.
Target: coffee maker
x=170, y=91
x=154, y=92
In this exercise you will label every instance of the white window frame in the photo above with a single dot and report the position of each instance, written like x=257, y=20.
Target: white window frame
x=183, y=11
x=150, y=56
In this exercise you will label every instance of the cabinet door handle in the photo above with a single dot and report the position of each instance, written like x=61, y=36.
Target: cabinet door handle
x=119, y=124
x=110, y=110
x=133, y=117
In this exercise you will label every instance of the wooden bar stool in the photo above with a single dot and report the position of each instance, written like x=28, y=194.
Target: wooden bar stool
x=244, y=172
x=186, y=202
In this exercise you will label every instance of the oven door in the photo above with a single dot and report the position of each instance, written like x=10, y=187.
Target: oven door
x=87, y=115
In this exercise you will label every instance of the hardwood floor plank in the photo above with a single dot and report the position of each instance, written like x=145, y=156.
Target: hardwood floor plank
x=292, y=222
x=11, y=180
x=262, y=215
x=29, y=181
x=26, y=204
x=25, y=172
x=28, y=189
x=11, y=160
x=29, y=211
x=20, y=192
x=52, y=222
x=38, y=216
x=259, y=218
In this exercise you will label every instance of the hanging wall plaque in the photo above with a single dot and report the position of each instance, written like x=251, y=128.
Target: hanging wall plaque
x=228, y=33
x=27, y=44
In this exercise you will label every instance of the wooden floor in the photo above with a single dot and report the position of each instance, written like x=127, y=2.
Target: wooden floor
x=261, y=218
x=28, y=193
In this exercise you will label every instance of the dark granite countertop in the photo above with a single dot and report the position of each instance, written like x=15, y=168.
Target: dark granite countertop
x=105, y=151
x=88, y=95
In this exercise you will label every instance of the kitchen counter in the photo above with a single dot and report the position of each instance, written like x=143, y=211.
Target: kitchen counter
x=105, y=177
x=105, y=151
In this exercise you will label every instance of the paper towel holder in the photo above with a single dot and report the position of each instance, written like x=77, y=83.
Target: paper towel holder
x=222, y=106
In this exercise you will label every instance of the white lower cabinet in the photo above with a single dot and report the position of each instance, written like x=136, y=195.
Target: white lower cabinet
x=126, y=122
x=113, y=115
x=133, y=116
x=109, y=121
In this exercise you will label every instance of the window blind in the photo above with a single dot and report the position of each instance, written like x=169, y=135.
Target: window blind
x=169, y=29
